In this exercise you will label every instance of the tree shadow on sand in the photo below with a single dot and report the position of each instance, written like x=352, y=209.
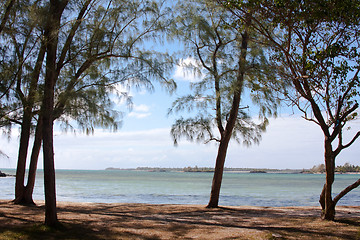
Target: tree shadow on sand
x=143, y=221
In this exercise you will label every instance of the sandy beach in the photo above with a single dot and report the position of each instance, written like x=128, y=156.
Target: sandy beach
x=145, y=221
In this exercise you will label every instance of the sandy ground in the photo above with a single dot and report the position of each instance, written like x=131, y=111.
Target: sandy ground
x=144, y=221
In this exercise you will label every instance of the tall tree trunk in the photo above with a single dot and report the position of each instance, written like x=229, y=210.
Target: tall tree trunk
x=29, y=189
x=22, y=155
x=51, y=34
x=49, y=172
x=48, y=149
x=328, y=212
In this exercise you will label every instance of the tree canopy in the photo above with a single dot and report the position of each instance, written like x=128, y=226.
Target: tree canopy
x=65, y=60
x=232, y=64
x=212, y=51
x=315, y=48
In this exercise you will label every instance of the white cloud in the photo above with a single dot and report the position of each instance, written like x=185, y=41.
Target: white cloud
x=141, y=108
x=140, y=111
x=184, y=70
x=139, y=115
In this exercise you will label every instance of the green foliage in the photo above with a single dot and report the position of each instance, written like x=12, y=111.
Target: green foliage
x=315, y=47
x=107, y=51
x=101, y=49
x=212, y=44
x=18, y=42
x=316, y=40
x=347, y=167
x=199, y=129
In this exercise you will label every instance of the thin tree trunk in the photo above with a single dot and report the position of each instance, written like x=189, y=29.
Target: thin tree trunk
x=49, y=173
x=21, y=163
x=226, y=134
x=29, y=189
x=20, y=189
x=48, y=150
x=222, y=150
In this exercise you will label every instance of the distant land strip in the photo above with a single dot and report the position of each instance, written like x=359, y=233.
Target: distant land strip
x=208, y=169
x=347, y=168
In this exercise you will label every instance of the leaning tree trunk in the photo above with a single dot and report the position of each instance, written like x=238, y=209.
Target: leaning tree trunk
x=21, y=163
x=222, y=150
x=227, y=132
x=21, y=192
x=29, y=189
x=218, y=174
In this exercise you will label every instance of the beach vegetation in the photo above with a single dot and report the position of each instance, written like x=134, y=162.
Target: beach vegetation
x=315, y=46
x=72, y=60
x=347, y=168
x=231, y=66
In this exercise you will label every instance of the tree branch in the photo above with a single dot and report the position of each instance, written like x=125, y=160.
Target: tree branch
x=71, y=36
x=342, y=119
x=352, y=141
x=6, y=15
x=346, y=191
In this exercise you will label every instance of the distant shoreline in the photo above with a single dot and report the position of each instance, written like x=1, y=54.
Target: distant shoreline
x=206, y=169
x=199, y=170
x=229, y=170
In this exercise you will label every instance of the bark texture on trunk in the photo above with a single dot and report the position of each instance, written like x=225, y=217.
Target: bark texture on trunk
x=328, y=211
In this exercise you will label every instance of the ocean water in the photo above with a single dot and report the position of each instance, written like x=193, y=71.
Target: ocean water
x=260, y=189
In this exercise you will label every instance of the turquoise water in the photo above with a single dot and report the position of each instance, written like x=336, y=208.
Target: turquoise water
x=268, y=189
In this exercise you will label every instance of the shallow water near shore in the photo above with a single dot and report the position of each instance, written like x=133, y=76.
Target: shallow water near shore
x=238, y=189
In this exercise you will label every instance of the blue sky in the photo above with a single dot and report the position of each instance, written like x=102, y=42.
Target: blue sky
x=144, y=140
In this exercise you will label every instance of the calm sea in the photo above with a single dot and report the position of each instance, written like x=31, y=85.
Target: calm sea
x=260, y=189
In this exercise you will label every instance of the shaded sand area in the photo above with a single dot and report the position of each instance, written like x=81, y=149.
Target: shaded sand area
x=144, y=221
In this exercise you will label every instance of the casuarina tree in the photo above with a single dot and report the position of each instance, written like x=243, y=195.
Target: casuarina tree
x=90, y=47
x=315, y=45
x=232, y=66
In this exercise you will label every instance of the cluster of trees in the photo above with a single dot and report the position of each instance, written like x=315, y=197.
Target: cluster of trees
x=315, y=49
x=63, y=61
x=346, y=168
x=318, y=169
x=198, y=169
